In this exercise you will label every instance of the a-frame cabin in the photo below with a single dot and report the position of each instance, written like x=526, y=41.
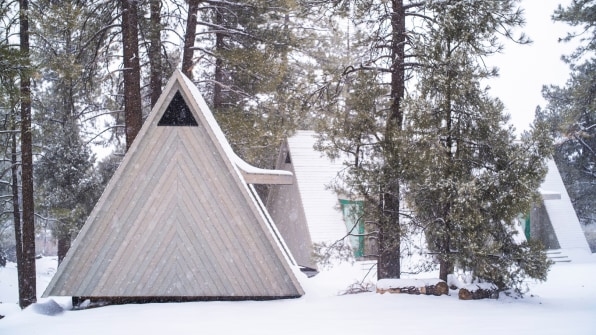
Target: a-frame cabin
x=178, y=220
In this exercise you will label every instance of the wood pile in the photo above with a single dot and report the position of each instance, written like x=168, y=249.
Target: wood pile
x=475, y=292
x=435, y=287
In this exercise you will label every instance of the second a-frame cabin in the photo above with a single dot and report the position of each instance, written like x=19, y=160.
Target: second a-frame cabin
x=309, y=213
x=179, y=220
x=554, y=222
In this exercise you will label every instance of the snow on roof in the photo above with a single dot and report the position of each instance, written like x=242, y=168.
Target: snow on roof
x=561, y=212
x=550, y=195
x=314, y=173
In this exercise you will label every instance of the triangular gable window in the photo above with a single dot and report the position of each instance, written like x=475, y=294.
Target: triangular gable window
x=178, y=113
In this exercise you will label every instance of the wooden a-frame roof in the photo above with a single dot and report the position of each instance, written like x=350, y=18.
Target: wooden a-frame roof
x=178, y=218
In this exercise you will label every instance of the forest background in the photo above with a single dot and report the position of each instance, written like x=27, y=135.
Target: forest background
x=398, y=86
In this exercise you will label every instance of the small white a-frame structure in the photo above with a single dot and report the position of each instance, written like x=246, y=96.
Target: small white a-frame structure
x=178, y=220
x=306, y=212
x=554, y=221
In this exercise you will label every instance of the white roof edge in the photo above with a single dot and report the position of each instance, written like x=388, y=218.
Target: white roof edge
x=550, y=195
x=255, y=175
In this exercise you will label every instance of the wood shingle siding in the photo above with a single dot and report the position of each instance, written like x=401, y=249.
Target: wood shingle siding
x=178, y=220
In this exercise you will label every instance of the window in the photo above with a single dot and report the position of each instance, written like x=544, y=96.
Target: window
x=178, y=113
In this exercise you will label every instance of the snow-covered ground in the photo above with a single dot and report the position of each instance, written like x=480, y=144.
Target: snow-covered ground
x=565, y=304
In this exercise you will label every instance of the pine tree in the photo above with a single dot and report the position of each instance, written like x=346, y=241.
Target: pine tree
x=468, y=178
x=190, y=35
x=154, y=51
x=239, y=53
x=10, y=63
x=579, y=13
x=66, y=186
x=133, y=108
x=381, y=57
x=134, y=58
x=391, y=43
x=66, y=189
x=27, y=283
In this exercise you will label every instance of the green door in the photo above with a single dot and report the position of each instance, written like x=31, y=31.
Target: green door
x=353, y=211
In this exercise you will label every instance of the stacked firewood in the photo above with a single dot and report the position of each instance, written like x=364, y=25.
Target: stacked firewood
x=413, y=286
x=477, y=291
x=437, y=287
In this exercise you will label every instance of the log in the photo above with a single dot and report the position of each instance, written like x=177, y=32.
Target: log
x=434, y=287
x=476, y=292
x=440, y=288
x=407, y=290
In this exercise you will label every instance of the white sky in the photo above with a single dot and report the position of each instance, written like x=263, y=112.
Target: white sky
x=524, y=69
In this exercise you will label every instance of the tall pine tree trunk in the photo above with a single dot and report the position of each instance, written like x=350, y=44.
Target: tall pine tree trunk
x=18, y=231
x=189, y=38
x=133, y=115
x=389, y=263
x=446, y=265
x=155, y=79
x=28, y=282
x=63, y=246
x=219, y=74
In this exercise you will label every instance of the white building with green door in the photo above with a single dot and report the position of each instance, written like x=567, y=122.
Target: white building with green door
x=309, y=212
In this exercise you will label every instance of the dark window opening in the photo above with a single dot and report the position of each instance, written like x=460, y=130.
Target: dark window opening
x=178, y=113
x=288, y=158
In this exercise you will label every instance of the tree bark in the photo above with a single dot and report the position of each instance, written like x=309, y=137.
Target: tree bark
x=398, y=75
x=155, y=79
x=218, y=76
x=189, y=38
x=63, y=246
x=133, y=115
x=445, y=268
x=29, y=295
x=389, y=262
x=18, y=231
